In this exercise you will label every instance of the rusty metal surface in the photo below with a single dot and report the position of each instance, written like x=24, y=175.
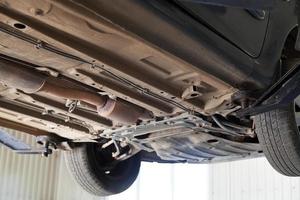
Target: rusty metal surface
x=70, y=93
x=116, y=76
x=17, y=75
x=21, y=127
x=124, y=55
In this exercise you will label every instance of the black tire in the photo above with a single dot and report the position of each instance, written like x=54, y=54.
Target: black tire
x=278, y=133
x=89, y=165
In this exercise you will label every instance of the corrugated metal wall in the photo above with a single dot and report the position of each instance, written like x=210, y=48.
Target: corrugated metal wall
x=251, y=179
x=25, y=177
x=32, y=177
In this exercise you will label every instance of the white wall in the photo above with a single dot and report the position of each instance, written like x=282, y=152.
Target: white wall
x=169, y=182
x=251, y=179
x=156, y=181
x=33, y=177
x=27, y=177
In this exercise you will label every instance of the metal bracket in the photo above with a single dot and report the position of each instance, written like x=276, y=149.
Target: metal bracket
x=20, y=147
x=279, y=95
x=72, y=105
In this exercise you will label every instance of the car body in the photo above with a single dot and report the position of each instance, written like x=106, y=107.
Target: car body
x=160, y=79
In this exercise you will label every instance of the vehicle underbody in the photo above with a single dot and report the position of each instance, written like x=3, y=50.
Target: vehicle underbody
x=162, y=100
x=170, y=81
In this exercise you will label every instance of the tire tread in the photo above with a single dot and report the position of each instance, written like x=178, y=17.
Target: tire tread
x=279, y=136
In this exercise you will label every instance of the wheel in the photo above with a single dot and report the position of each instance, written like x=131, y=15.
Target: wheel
x=278, y=133
x=97, y=172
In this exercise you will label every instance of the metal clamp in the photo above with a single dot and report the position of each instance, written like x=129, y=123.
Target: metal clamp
x=72, y=105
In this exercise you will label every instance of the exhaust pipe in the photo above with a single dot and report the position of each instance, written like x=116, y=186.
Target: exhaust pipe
x=16, y=75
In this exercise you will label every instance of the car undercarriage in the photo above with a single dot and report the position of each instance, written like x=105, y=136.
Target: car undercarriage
x=60, y=90
x=143, y=78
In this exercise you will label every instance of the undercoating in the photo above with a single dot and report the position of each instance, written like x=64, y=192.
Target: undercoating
x=86, y=52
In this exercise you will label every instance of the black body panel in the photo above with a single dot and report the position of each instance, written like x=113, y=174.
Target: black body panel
x=169, y=27
x=237, y=25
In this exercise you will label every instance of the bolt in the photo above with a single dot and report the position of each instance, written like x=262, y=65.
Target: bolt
x=37, y=11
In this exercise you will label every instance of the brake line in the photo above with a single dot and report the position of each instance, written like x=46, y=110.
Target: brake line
x=48, y=47
x=43, y=45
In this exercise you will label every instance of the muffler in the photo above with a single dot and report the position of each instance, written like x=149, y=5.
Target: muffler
x=17, y=75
